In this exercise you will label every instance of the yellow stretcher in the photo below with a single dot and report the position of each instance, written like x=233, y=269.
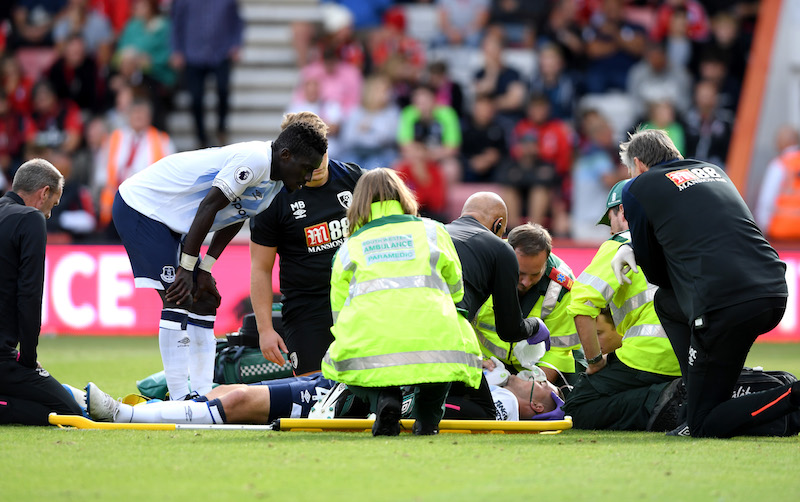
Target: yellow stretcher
x=333, y=424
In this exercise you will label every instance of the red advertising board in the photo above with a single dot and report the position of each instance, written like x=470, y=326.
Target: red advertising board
x=89, y=291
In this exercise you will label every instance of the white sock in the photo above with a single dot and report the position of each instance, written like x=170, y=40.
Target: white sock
x=201, y=352
x=174, y=343
x=171, y=412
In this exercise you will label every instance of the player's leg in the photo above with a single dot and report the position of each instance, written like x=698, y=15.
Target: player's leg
x=429, y=402
x=202, y=343
x=153, y=251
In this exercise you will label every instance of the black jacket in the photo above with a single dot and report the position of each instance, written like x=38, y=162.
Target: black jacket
x=692, y=232
x=22, y=246
x=489, y=267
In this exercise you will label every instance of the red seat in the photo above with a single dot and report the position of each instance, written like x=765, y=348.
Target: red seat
x=459, y=193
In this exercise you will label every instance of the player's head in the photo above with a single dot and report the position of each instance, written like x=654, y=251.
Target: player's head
x=296, y=153
x=39, y=184
x=320, y=174
x=646, y=148
x=607, y=334
x=615, y=214
x=378, y=185
x=536, y=398
x=489, y=209
x=532, y=244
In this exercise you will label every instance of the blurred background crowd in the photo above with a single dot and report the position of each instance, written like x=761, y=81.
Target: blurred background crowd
x=528, y=98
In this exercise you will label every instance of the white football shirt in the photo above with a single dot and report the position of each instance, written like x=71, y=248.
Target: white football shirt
x=170, y=191
x=505, y=403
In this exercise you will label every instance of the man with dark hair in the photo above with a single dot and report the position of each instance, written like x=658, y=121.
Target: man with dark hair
x=28, y=394
x=721, y=284
x=168, y=209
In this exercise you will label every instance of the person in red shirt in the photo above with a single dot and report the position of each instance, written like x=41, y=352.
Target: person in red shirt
x=699, y=29
x=53, y=123
x=11, y=140
x=424, y=177
x=16, y=85
x=556, y=144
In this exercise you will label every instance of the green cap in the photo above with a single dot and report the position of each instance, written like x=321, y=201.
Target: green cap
x=614, y=199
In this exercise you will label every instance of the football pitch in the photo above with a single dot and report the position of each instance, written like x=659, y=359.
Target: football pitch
x=46, y=463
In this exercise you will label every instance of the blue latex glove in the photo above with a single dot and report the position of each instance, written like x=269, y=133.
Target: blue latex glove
x=542, y=335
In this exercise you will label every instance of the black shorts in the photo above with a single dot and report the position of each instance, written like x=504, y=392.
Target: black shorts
x=28, y=396
x=307, y=333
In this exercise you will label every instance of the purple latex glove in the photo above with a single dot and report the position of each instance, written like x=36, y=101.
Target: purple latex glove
x=556, y=414
x=542, y=335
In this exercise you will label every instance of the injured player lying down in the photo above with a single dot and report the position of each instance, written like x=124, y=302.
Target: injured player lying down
x=294, y=397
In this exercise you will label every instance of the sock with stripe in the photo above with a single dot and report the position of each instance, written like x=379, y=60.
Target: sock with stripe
x=202, y=349
x=174, y=342
x=173, y=412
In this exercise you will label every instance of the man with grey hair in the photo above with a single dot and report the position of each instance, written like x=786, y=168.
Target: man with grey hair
x=28, y=394
x=721, y=284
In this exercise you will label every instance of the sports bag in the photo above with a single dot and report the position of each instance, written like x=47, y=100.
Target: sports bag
x=242, y=364
x=756, y=379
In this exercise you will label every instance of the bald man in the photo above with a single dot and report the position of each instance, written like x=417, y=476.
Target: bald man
x=779, y=199
x=489, y=265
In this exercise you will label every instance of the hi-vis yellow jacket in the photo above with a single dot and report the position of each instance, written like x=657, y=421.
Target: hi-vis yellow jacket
x=645, y=345
x=550, y=297
x=394, y=286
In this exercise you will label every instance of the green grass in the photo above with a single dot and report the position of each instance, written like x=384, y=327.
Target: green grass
x=41, y=463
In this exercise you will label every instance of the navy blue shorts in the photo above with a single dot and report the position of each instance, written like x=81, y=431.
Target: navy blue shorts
x=152, y=247
x=293, y=397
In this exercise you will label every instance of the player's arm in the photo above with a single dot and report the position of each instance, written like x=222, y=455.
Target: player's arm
x=30, y=285
x=509, y=321
x=262, y=260
x=181, y=289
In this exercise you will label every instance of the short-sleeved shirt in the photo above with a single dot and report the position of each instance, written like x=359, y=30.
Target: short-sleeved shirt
x=308, y=226
x=170, y=191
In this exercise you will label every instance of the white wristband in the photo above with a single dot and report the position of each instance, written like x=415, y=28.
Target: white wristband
x=188, y=262
x=207, y=263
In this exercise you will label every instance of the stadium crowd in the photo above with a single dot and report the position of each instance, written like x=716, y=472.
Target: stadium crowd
x=528, y=99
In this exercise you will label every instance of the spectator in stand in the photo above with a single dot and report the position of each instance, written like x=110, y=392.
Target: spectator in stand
x=562, y=28
x=713, y=66
x=118, y=12
x=32, y=23
x=708, y=127
x=699, y=27
x=530, y=182
x=148, y=33
x=396, y=54
x=776, y=212
x=93, y=156
x=553, y=81
x=12, y=139
x=94, y=27
x=726, y=40
x=679, y=47
x=369, y=133
x=329, y=111
x=73, y=219
x=483, y=143
x=502, y=82
x=661, y=115
x=435, y=125
x=130, y=149
x=339, y=82
x=128, y=80
x=17, y=86
x=118, y=115
x=655, y=78
x=448, y=92
x=206, y=40
x=555, y=144
x=75, y=76
x=517, y=20
x=461, y=22
x=613, y=46
x=53, y=123
x=596, y=170
x=367, y=14
x=424, y=177
x=338, y=34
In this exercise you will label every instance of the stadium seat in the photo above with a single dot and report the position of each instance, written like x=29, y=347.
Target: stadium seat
x=36, y=60
x=458, y=194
